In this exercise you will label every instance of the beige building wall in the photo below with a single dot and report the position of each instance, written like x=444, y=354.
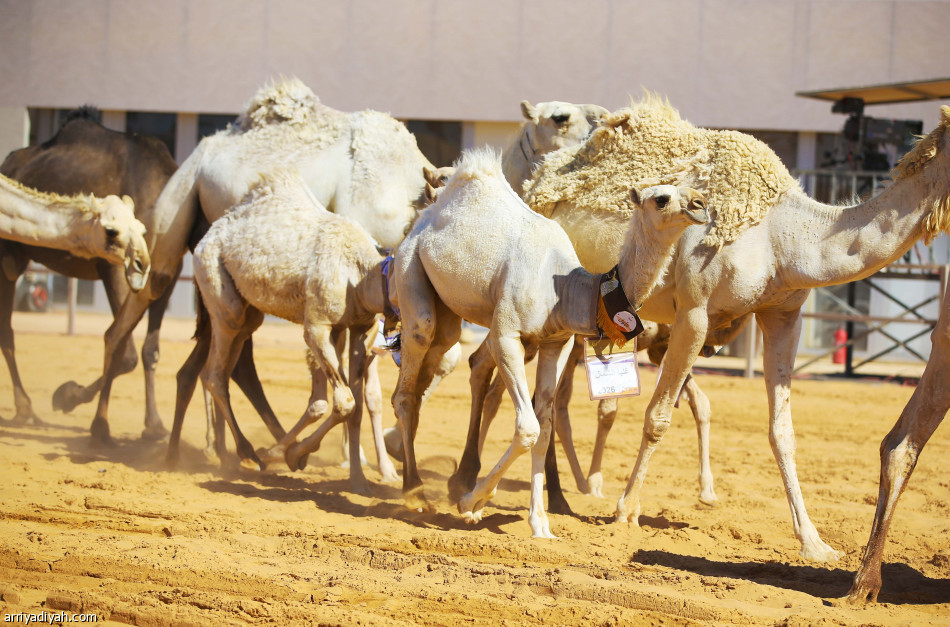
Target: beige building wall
x=14, y=129
x=723, y=63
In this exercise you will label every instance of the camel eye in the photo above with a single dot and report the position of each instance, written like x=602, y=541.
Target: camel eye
x=662, y=201
x=112, y=232
x=561, y=118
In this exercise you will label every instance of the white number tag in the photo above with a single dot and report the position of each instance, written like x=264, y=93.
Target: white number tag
x=611, y=371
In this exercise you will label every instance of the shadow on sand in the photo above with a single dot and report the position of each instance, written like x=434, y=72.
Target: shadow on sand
x=902, y=584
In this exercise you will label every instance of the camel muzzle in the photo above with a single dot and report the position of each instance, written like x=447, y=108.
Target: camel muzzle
x=697, y=212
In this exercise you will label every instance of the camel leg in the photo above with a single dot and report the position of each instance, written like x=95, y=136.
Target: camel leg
x=24, y=406
x=699, y=404
x=508, y=354
x=481, y=365
x=686, y=339
x=606, y=416
x=245, y=375
x=317, y=409
x=780, y=332
x=358, y=349
x=187, y=379
x=71, y=394
x=374, y=407
x=116, y=336
x=450, y=360
x=493, y=399
x=430, y=330
x=899, y=452
x=346, y=405
x=226, y=341
x=532, y=431
x=154, y=428
x=562, y=419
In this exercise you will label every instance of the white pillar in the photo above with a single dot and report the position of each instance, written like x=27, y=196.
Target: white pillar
x=186, y=136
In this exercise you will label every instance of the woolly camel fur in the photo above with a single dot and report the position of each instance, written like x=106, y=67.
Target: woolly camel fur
x=548, y=127
x=899, y=452
x=768, y=245
x=85, y=158
x=365, y=166
x=525, y=284
x=85, y=226
x=308, y=266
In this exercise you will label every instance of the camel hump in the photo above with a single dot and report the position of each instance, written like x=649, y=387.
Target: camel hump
x=285, y=100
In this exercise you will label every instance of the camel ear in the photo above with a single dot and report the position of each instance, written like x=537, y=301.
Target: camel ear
x=635, y=196
x=529, y=112
x=128, y=201
x=431, y=175
x=594, y=114
x=430, y=193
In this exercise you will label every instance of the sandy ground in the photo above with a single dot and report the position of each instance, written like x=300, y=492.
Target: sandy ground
x=115, y=533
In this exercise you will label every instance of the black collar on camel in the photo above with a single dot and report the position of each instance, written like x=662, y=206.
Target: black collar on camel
x=617, y=319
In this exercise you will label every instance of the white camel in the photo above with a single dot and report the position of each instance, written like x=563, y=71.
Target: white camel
x=768, y=245
x=900, y=449
x=525, y=284
x=550, y=126
x=365, y=166
x=307, y=266
x=84, y=225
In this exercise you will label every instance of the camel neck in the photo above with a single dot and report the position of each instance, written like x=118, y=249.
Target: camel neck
x=517, y=160
x=818, y=244
x=645, y=255
x=46, y=219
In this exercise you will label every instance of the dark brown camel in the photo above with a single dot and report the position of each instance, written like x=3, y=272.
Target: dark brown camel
x=84, y=157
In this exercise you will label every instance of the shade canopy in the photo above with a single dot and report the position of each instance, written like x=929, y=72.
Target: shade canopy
x=933, y=89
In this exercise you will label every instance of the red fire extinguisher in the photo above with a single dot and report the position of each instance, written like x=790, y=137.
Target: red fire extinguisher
x=841, y=337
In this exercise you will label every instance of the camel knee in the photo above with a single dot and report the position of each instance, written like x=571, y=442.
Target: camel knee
x=343, y=401
x=607, y=412
x=656, y=427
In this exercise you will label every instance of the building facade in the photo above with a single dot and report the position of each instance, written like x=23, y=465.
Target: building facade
x=456, y=71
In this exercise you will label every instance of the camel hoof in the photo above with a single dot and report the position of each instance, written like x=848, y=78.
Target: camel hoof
x=249, y=463
x=457, y=488
x=709, y=500
x=559, y=506
x=99, y=430
x=596, y=484
x=66, y=397
x=155, y=432
x=272, y=455
x=295, y=460
x=392, y=437
x=820, y=552
x=416, y=501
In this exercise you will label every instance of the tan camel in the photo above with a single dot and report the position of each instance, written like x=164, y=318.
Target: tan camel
x=899, y=452
x=83, y=225
x=525, y=284
x=308, y=266
x=769, y=244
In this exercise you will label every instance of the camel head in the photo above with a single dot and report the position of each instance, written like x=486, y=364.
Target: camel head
x=559, y=124
x=669, y=206
x=122, y=237
x=435, y=181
